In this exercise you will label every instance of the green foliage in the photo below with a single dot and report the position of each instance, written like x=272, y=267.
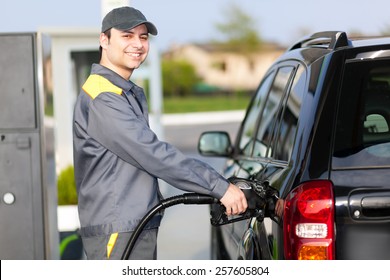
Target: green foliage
x=49, y=106
x=206, y=104
x=66, y=186
x=239, y=32
x=179, y=78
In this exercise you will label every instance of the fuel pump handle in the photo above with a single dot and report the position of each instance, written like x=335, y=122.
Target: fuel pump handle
x=258, y=196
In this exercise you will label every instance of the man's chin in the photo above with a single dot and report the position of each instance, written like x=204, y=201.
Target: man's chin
x=135, y=65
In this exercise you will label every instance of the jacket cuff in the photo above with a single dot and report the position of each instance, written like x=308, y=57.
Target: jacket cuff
x=220, y=188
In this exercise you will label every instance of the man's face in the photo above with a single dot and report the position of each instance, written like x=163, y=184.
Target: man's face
x=125, y=50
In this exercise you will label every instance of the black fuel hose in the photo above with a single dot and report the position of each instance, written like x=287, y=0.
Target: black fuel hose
x=187, y=198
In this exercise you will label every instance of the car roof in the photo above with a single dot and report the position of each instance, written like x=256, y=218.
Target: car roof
x=311, y=48
x=369, y=41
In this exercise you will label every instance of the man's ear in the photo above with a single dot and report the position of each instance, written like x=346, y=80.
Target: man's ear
x=103, y=40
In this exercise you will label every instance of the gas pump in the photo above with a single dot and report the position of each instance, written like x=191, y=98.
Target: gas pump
x=28, y=194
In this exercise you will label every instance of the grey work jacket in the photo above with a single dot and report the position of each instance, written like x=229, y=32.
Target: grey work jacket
x=118, y=158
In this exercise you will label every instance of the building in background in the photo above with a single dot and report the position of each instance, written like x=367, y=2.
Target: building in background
x=224, y=69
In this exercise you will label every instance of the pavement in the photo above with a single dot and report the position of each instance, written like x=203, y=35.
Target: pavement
x=203, y=118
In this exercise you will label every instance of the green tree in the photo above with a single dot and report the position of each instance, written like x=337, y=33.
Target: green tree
x=239, y=31
x=66, y=187
x=179, y=78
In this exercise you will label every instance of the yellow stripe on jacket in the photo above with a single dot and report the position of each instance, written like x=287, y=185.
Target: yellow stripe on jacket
x=96, y=84
x=111, y=243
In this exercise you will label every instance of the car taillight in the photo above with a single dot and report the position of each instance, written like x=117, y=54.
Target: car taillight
x=308, y=222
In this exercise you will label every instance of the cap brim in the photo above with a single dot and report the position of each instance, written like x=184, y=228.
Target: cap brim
x=130, y=25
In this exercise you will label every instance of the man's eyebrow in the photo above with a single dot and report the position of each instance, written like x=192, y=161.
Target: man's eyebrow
x=130, y=31
x=127, y=31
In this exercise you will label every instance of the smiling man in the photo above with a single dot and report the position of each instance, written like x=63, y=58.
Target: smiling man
x=118, y=158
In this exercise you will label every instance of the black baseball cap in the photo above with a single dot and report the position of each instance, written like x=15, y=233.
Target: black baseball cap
x=125, y=18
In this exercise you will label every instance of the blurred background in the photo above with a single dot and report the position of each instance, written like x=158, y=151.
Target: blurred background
x=194, y=21
x=204, y=65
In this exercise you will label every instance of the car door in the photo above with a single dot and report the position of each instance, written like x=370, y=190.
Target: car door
x=241, y=164
x=361, y=159
x=252, y=236
x=280, y=170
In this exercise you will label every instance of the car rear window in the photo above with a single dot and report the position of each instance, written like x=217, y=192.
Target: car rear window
x=362, y=137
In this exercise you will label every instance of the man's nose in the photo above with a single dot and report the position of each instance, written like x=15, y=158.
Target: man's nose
x=136, y=42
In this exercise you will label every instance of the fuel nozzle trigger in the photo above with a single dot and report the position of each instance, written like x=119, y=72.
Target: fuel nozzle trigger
x=257, y=195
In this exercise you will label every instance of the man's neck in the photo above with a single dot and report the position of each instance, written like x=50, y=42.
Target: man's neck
x=124, y=73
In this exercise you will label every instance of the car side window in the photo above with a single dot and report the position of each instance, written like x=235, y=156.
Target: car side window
x=250, y=122
x=363, y=121
x=285, y=136
x=270, y=113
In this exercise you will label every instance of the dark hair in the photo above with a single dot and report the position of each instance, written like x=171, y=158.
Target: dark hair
x=108, y=34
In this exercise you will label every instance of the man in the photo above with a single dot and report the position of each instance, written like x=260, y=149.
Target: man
x=117, y=156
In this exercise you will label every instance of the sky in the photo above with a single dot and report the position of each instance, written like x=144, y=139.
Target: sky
x=194, y=21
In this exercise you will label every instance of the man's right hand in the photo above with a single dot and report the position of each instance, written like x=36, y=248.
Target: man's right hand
x=234, y=200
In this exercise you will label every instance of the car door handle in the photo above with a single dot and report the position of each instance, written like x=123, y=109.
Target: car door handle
x=375, y=202
x=370, y=204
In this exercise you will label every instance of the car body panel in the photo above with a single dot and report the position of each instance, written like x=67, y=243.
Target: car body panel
x=329, y=119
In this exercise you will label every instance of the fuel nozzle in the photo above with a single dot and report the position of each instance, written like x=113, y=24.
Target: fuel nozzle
x=258, y=196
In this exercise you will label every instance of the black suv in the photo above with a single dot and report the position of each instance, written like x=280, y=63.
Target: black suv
x=318, y=131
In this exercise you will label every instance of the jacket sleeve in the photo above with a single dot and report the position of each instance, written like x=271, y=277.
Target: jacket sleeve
x=115, y=125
